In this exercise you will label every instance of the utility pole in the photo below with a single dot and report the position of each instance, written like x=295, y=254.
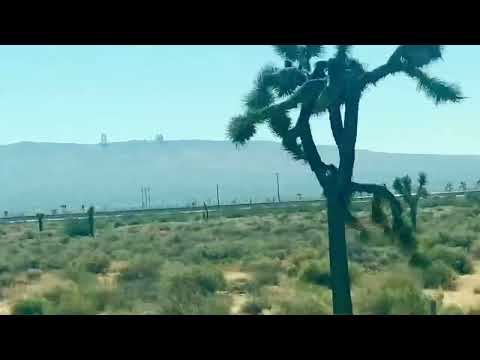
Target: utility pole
x=149, y=202
x=218, y=198
x=278, y=187
x=143, y=199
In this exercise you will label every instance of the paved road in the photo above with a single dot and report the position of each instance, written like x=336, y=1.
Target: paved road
x=173, y=211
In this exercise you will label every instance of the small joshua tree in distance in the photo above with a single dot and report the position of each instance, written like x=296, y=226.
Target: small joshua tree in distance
x=403, y=186
x=449, y=187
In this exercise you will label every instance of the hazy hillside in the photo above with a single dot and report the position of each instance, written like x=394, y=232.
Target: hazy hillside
x=36, y=176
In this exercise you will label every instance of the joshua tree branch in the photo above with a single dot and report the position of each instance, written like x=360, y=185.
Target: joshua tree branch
x=336, y=123
x=380, y=192
x=321, y=169
x=381, y=72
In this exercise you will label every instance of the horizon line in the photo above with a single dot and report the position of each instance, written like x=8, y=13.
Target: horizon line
x=213, y=140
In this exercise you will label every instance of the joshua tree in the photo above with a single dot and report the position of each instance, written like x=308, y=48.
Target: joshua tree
x=40, y=221
x=329, y=87
x=205, y=211
x=449, y=187
x=91, y=220
x=404, y=187
x=463, y=186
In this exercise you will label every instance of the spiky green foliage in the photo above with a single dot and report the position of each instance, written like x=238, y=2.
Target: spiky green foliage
x=287, y=80
x=279, y=122
x=438, y=90
x=289, y=52
x=404, y=187
x=419, y=55
x=241, y=129
x=422, y=179
x=378, y=214
x=449, y=187
x=315, y=50
x=343, y=51
x=261, y=95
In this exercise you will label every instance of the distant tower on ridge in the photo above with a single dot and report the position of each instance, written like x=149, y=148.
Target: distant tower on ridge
x=103, y=140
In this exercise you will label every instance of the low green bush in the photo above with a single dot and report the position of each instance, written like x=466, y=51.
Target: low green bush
x=143, y=267
x=450, y=310
x=266, y=271
x=438, y=274
x=395, y=293
x=317, y=272
x=456, y=258
x=306, y=304
x=76, y=227
x=255, y=306
x=31, y=306
x=96, y=262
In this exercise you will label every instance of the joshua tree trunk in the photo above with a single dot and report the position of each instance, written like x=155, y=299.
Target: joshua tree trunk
x=413, y=216
x=91, y=221
x=340, y=279
x=40, y=222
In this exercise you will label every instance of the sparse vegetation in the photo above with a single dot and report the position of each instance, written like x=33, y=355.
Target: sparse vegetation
x=177, y=266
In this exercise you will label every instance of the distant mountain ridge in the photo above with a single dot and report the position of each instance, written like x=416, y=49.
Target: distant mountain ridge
x=42, y=176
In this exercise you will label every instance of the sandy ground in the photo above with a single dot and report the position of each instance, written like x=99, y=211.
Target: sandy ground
x=464, y=295
x=4, y=308
x=239, y=299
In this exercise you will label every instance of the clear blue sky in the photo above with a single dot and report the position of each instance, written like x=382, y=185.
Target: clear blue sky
x=74, y=93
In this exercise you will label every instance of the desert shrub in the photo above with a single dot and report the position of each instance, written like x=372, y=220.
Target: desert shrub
x=203, y=280
x=111, y=237
x=451, y=310
x=266, y=271
x=476, y=290
x=217, y=251
x=255, y=306
x=118, y=224
x=32, y=306
x=76, y=227
x=473, y=198
x=192, y=290
x=198, y=305
x=103, y=298
x=4, y=266
x=394, y=293
x=303, y=255
x=456, y=239
x=27, y=235
x=307, y=304
x=420, y=259
x=96, y=262
x=6, y=279
x=475, y=250
x=373, y=257
x=142, y=267
x=317, y=272
x=438, y=274
x=456, y=258
x=72, y=302
x=65, y=240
